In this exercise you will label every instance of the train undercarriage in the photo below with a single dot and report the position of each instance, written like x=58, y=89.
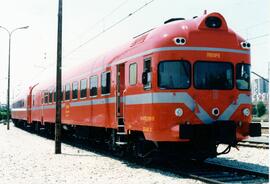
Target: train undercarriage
x=136, y=147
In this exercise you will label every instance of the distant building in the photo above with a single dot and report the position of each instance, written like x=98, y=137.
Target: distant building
x=260, y=91
x=259, y=86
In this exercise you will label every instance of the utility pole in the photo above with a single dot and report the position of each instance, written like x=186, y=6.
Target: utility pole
x=9, y=47
x=58, y=82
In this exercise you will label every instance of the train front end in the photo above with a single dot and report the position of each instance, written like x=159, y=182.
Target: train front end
x=202, y=95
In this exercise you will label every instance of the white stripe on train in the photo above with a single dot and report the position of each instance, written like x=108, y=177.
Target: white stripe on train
x=159, y=98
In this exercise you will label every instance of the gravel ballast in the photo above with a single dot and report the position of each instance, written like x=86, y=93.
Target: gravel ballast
x=28, y=158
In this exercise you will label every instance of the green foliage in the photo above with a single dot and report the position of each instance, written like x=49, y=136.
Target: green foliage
x=3, y=112
x=254, y=110
x=261, y=109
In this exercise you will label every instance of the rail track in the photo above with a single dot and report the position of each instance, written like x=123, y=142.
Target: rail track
x=202, y=171
x=265, y=130
x=215, y=173
x=254, y=144
x=258, y=142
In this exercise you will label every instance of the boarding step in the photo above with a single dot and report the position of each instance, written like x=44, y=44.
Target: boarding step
x=121, y=143
x=120, y=121
x=121, y=133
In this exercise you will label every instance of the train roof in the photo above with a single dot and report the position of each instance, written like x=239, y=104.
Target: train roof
x=193, y=30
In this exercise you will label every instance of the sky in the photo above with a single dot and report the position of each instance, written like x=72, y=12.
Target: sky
x=33, y=50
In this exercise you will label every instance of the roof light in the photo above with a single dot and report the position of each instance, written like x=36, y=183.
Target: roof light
x=245, y=45
x=213, y=22
x=180, y=41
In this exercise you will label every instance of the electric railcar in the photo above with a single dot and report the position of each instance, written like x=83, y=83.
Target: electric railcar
x=179, y=89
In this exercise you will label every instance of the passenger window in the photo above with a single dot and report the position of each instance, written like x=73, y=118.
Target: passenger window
x=133, y=74
x=83, y=87
x=75, y=90
x=46, y=96
x=62, y=93
x=105, y=83
x=147, y=74
x=93, y=85
x=67, y=92
x=50, y=96
x=54, y=95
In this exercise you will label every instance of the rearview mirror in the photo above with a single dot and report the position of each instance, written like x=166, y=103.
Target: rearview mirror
x=144, y=78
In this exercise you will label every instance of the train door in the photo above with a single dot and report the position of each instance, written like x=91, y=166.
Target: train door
x=120, y=87
x=42, y=94
x=120, y=94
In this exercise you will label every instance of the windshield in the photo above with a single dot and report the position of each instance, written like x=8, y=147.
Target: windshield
x=243, y=76
x=213, y=75
x=174, y=75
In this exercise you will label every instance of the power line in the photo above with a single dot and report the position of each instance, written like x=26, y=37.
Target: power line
x=260, y=76
x=255, y=25
x=260, y=36
x=103, y=18
x=108, y=28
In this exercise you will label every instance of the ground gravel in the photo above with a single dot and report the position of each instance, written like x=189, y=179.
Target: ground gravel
x=26, y=158
x=256, y=159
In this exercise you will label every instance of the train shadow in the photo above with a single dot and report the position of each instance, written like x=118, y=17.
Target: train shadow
x=230, y=162
x=163, y=166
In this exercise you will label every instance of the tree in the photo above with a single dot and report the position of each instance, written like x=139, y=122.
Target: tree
x=261, y=109
x=254, y=110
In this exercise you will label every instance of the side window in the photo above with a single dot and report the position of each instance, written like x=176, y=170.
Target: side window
x=83, y=87
x=62, y=93
x=50, y=96
x=147, y=73
x=133, y=74
x=105, y=82
x=75, y=90
x=46, y=96
x=67, y=90
x=93, y=85
x=54, y=95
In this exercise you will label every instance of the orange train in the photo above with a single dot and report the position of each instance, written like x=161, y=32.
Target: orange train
x=179, y=89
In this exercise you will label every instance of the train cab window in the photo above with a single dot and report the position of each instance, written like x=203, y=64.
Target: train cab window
x=243, y=76
x=213, y=75
x=105, y=83
x=75, y=90
x=133, y=74
x=147, y=73
x=83, y=87
x=174, y=74
x=93, y=85
x=67, y=92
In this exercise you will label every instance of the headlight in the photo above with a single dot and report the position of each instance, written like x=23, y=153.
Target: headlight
x=178, y=112
x=246, y=112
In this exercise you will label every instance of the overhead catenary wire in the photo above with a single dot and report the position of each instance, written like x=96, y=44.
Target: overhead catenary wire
x=99, y=34
x=255, y=25
x=103, y=18
x=260, y=36
x=108, y=28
